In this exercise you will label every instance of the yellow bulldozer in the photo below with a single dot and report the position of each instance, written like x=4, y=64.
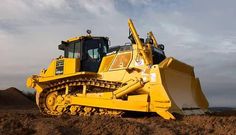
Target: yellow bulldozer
x=94, y=78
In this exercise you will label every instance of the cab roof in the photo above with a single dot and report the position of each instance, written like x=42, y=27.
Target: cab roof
x=82, y=37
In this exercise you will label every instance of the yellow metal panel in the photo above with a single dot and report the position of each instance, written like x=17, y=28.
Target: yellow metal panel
x=75, y=38
x=104, y=95
x=141, y=98
x=179, y=82
x=71, y=65
x=108, y=103
x=170, y=62
x=80, y=38
x=50, y=70
x=116, y=75
x=106, y=62
x=199, y=96
x=46, y=79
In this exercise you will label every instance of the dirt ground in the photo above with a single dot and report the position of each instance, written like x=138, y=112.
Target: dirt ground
x=30, y=121
x=26, y=119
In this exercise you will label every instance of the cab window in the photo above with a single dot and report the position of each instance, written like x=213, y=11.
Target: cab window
x=73, y=50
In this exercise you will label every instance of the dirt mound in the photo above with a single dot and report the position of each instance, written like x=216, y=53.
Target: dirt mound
x=13, y=97
x=32, y=122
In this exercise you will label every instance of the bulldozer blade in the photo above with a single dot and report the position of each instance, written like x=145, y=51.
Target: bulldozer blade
x=183, y=89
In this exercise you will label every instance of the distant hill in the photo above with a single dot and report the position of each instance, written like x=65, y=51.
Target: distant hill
x=14, y=98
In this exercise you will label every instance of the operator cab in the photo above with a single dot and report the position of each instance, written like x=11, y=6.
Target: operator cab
x=90, y=50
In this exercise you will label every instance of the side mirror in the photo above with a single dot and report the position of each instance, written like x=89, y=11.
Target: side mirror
x=161, y=46
x=63, y=45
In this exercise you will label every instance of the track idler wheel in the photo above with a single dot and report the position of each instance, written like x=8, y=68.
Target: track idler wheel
x=50, y=102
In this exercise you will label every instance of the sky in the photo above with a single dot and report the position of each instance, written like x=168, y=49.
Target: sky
x=201, y=33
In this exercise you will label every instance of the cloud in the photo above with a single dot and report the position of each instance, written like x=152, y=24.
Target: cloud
x=139, y=2
x=56, y=4
x=13, y=9
x=99, y=9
